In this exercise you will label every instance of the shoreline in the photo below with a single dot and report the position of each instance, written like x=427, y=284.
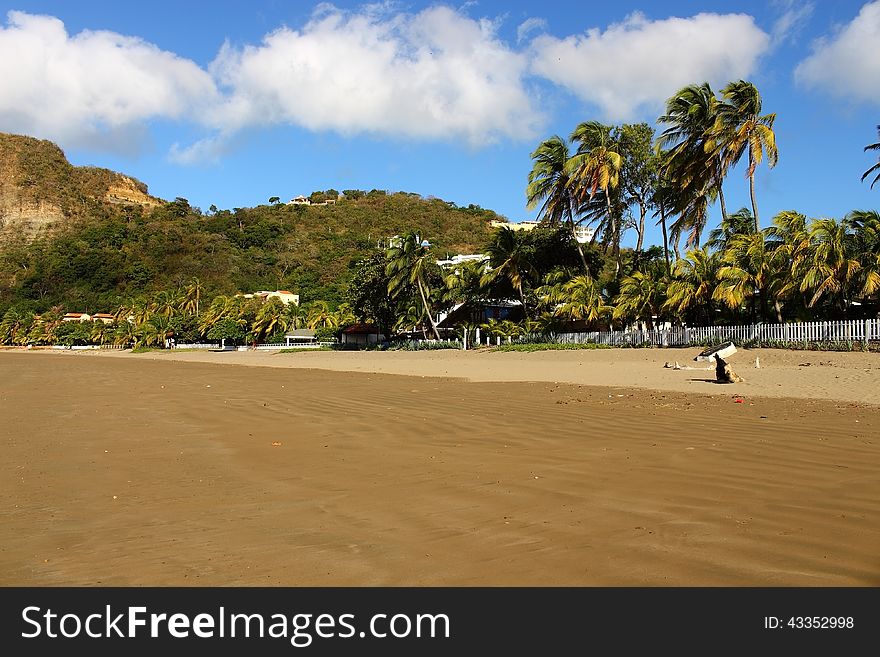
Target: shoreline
x=852, y=377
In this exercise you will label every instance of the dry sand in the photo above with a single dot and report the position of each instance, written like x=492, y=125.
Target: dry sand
x=152, y=470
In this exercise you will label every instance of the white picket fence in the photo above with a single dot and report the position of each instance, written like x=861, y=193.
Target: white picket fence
x=854, y=330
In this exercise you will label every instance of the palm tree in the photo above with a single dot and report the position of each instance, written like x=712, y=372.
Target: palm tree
x=835, y=270
x=876, y=167
x=508, y=260
x=641, y=295
x=99, y=333
x=294, y=315
x=409, y=263
x=550, y=182
x=691, y=204
x=747, y=273
x=596, y=166
x=166, y=303
x=345, y=315
x=693, y=281
x=464, y=283
x=578, y=299
x=692, y=159
x=319, y=315
x=192, y=295
x=789, y=241
x=741, y=128
x=269, y=319
x=740, y=222
x=865, y=225
x=221, y=308
x=16, y=324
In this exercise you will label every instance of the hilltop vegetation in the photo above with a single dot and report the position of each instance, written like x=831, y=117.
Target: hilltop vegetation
x=108, y=248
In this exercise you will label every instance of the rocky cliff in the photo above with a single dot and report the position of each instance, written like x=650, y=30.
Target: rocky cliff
x=40, y=190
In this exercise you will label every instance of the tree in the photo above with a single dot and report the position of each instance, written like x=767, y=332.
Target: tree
x=741, y=128
x=639, y=170
x=834, y=268
x=641, y=295
x=596, y=166
x=550, y=182
x=269, y=320
x=368, y=293
x=693, y=281
x=508, y=261
x=410, y=263
x=578, y=298
x=748, y=274
x=692, y=159
x=740, y=222
x=274, y=200
x=789, y=241
x=192, y=295
x=319, y=315
x=876, y=167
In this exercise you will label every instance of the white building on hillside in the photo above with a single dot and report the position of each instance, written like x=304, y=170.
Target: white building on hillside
x=285, y=296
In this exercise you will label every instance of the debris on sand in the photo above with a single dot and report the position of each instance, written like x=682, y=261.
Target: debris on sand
x=724, y=372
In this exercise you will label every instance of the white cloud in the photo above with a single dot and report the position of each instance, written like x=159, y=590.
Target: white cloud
x=436, y=74
x=528, y=26
x=94, y=88
x=792, y=20
x=636, y=65
x=847, y=64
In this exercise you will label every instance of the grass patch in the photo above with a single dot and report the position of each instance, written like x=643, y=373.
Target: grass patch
x=550, y=346
x=144, y=350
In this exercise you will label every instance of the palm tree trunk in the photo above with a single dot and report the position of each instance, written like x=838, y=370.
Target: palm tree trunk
x=752, y=192
x=665, y=239
x=721, y=200
x=522, y=298
x=615, y=234
x=578, y=245
x=428, y=309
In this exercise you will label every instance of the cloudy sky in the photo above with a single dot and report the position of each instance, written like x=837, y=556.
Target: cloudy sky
x=229, y=103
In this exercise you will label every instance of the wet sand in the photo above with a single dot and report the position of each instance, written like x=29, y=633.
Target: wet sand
x=153, y=470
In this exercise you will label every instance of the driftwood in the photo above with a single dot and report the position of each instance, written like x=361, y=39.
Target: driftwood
x=724, y=372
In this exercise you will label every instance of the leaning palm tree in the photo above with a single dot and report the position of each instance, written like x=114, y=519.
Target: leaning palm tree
x=319, y=315
x=222, y=307
x=269, y=320
x=741, y=128
x=876, y=167
x=550, y=183
x=692, y=159
x=596, y=166
x=509, y=261
x=15, y=326
x=410, y=264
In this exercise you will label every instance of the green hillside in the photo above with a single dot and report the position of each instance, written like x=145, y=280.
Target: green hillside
x=106, y=251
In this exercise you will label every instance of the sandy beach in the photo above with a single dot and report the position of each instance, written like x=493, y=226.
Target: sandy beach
x=595, y=468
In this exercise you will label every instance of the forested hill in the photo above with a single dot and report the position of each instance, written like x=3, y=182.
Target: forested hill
x=98, y=248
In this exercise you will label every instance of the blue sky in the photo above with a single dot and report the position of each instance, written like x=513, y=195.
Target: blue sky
x=230, y=103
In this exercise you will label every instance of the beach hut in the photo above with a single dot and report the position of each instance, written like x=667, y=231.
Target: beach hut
x=362, y=334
